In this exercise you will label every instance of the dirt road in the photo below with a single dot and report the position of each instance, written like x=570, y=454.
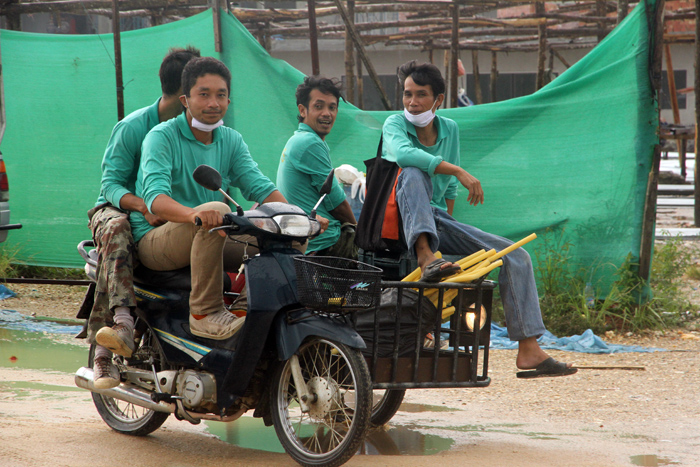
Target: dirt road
x=594, y=418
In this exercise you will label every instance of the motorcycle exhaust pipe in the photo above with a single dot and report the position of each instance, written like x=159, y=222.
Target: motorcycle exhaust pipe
x=84, y=380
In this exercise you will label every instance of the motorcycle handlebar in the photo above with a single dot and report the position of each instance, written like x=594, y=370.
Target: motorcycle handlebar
x=227, y=220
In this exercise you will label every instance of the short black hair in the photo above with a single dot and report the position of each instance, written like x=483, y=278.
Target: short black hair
x=325, y=85
x=171, y=69
x=198, y=67
x=423, y=74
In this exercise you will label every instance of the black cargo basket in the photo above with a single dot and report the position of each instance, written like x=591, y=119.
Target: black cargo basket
x=399, y=353
x=331, y=284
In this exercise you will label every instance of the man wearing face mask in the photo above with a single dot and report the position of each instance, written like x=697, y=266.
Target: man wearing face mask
x=306, y=162
x=111, y=325
x=171, y=152
x=426, y=147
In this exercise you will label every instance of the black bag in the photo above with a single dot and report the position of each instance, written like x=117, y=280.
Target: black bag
x=388, y=314
x=381, y=181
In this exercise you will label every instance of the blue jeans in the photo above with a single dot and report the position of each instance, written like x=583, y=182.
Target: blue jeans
x=516, y=279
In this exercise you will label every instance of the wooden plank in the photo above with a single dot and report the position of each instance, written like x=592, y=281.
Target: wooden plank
x=454, y=55
x=609, y=367
x=363, y=54
x=676, y=189
x=675, y=202
x=677, y=232
x=649, y=215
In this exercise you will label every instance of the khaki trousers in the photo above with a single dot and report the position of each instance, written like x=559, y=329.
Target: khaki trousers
x=174, y=246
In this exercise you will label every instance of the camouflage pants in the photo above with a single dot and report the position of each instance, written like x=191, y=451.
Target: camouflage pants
x=111, y=232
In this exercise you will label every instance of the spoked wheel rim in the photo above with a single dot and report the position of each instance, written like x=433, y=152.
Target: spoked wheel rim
x=125, y=412
x=126, y=417
x=338, y=413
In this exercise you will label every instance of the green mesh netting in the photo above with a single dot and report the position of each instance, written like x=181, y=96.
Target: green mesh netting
x=572, y=158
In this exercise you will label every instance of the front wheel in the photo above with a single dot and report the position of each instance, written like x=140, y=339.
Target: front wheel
x=334, y=427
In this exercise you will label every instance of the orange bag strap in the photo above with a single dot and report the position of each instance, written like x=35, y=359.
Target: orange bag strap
x=390, y=226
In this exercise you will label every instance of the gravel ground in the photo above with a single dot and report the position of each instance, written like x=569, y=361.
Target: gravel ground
x=643, y=409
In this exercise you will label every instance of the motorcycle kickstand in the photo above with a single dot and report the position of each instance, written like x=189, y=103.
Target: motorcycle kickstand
x=302, y=389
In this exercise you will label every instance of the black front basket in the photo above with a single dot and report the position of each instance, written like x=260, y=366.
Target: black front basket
x=331, y=284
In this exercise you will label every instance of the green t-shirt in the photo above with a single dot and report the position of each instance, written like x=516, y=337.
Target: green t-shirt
x=304, y=166
x=170, y=154
x=401, y=145
x=123, y=154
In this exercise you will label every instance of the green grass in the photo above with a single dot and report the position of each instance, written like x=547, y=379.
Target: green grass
x=631, y=304
x=11, y=268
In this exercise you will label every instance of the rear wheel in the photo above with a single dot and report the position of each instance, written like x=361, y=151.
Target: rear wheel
x=126, y=417
x=335, y=425
x=386, y=403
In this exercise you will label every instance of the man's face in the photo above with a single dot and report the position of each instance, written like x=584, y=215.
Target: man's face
x=321, y=113
x=208, y=99
x=418, y=99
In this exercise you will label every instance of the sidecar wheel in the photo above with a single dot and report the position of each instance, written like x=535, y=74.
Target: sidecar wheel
x=336, y=423
x=125, y=417
x=386, y=404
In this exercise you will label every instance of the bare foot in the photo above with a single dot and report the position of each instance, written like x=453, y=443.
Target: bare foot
x=425, y=255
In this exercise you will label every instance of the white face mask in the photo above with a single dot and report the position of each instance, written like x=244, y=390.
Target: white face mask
x=201, y=126
x=422, y=119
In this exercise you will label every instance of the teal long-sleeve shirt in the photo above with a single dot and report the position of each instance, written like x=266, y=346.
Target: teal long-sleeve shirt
x=401, y=145
x=170, y=153
x=120, y=163
x=304, y=166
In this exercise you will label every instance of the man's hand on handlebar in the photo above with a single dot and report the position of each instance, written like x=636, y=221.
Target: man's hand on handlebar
x=209, y=219
x=323, y=221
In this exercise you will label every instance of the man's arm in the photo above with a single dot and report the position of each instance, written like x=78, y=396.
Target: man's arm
x=343, y=213
x=275, y=196
x=450, y=206
x=468, y=181
x=130, y=202
x=400, y=149
x=170, y=210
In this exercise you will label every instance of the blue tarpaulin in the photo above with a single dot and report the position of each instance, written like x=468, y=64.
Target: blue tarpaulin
x=586, y=343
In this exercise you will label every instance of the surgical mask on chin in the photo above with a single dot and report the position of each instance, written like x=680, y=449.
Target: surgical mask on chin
x=201, y=126
x=422, y=119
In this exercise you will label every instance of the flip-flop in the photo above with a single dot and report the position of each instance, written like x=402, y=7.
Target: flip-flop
x=433, y=271
x=547, y=368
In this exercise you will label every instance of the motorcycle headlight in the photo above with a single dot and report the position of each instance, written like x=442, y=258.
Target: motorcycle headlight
x=294, y=225
x=265, y=223
x=470, y=317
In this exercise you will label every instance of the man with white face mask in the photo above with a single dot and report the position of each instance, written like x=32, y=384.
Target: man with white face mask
x=426, y=147
x=111, y=325
x=171, y=152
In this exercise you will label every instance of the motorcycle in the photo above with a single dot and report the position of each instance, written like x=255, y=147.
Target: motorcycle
x=298, y=367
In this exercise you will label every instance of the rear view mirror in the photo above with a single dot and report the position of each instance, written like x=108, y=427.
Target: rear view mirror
x=325, y=189
x=208, y=177
x=328, y=184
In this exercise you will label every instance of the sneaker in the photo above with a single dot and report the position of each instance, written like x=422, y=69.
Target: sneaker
x=105, y=375
x=119, y=339
x=220, y=325
x=429, y=342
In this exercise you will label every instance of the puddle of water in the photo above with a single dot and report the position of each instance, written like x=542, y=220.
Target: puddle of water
x=417, y=408
x=10, y=319
x=249, y=432
x=651, y=460
x=27, y=343
x=43, y=345
x=400, y=440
